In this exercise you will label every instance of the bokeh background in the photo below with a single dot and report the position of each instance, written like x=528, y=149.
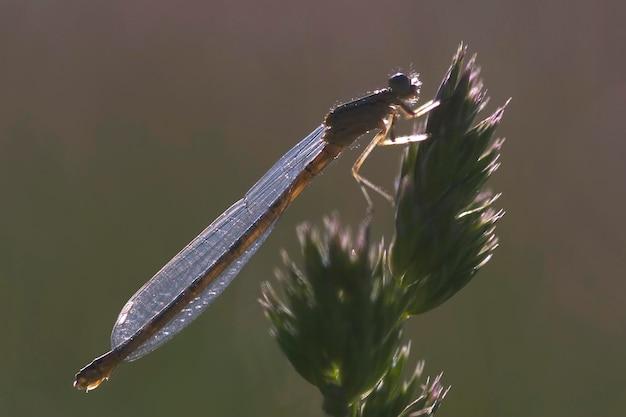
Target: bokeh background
x=127, y=126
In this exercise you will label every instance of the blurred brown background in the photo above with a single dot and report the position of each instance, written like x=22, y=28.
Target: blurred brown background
x=127, y=126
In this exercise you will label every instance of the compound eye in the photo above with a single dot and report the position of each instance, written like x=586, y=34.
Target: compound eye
x=400, y=84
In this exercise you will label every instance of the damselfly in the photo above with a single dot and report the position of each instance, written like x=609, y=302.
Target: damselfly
x=198, y=274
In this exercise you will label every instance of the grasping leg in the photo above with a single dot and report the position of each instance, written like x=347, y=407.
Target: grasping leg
x=363, y=182
x=384, y=138
x=410, y=114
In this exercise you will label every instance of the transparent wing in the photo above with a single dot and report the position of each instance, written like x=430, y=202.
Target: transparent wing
x=199, y=256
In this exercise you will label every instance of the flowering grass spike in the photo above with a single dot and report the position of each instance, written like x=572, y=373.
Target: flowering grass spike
x=339, y=317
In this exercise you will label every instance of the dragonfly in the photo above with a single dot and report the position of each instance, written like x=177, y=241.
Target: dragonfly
x=199, y=273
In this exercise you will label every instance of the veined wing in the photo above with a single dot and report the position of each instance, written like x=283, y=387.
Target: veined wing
x=205, y=251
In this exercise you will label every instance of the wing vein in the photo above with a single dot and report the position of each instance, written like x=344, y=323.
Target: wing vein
x=202, y=253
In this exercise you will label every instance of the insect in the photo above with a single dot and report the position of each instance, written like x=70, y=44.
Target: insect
x=198, y=274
